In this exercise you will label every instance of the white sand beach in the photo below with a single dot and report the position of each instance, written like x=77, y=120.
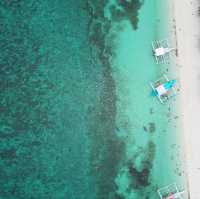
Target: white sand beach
x=186, y=21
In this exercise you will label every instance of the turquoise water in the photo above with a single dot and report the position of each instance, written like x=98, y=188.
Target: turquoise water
x=77, y=120
x=150, y=130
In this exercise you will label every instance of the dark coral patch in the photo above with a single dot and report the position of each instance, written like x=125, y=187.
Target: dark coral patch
x=128, y=10
x=145, y=128
x=8, y=154
x=152, y=127
x=107, y=149
x=141, y=178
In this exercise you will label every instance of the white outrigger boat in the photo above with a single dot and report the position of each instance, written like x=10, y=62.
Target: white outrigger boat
x=170, y=192
x=163, y=88
x=161, y=51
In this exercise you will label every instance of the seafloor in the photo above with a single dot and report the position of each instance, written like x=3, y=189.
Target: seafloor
x=59, y=109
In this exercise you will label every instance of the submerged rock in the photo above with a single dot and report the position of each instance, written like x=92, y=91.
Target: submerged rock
x=139, y=178
x=151, y=111
x=152, y=127
x=145, y=128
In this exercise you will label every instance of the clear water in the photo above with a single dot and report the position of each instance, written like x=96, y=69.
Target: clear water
x=150, y=129
x=77, y=120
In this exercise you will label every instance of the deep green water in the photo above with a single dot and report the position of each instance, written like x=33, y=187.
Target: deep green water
x=60, y=107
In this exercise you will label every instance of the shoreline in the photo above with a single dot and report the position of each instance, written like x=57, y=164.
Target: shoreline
x=186, y=32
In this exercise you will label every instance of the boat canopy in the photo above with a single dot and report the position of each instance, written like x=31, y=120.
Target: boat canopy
x=161, y=90
x=159, y=51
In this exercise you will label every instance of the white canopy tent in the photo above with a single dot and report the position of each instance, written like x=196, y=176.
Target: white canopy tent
x=161, y=51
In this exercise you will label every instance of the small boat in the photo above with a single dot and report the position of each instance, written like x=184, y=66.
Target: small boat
x=170, y=192
x=163, y=88
x=161, y=51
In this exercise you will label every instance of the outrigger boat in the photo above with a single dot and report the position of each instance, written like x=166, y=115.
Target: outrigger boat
x=161, y=51
x=163, y=88
x=170, y=192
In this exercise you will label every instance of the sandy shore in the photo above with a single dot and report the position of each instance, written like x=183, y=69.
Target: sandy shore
x=186, y=24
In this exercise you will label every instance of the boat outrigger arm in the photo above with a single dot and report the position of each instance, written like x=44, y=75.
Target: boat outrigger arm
x=161, y=89
x=161, y=51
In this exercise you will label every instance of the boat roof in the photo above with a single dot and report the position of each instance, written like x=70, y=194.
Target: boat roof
x=161, y=90
x=159, y=51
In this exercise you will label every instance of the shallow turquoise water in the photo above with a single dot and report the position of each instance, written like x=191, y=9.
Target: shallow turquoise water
x=77, y=120
x=149, y=129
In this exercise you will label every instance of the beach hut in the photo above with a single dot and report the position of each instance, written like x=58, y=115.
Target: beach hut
x=163, y=88
x=161, y=51
x=170, y=192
